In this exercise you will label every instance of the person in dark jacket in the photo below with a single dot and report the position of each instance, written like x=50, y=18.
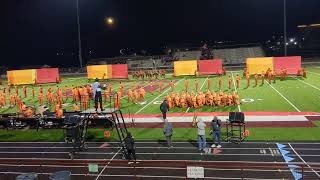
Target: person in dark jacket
x=164, y=108
x=168, y=131
x=216, y=132
x=129, y=143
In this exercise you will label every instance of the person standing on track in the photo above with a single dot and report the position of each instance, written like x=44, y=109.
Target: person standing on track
x=96, y=87
x=216, y=132
x=168, y=131
x=164, y=108
x=129, y=143
x=201, y=134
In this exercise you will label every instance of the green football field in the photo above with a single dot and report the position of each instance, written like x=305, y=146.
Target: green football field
x=295, y=94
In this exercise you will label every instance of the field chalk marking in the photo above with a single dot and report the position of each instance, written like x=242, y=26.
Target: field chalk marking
x=156, y=98
x=235, y=88
x=314, y=73
x=307, y=83
x=283, y=97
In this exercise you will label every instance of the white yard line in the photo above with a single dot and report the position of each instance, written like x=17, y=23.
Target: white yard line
x=283, y=97
x=314, y=73
x=303, y=160
x=307, y=84
x=156, y=98
x=204, y=82
x=200, y=89
x=235, y=88
x=108, y=163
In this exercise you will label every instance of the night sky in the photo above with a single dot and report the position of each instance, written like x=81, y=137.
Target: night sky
x=38, y=32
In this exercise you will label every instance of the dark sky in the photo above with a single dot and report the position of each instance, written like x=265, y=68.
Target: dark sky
x=32, y=32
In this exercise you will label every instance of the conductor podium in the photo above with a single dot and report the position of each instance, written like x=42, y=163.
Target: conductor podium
x=236, y=127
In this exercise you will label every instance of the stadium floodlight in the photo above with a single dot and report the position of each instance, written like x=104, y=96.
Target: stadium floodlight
x=315, y=25
x=109, y=21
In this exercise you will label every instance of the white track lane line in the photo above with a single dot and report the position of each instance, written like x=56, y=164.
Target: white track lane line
x=307, y=84
x=157, y=97
x=98, y=160
x=303, y=160
x=108, y=163
x=149, y=153
x=235, y=88
x=283, y=97
x=139, y=176
x=200, y=89
x=144, y=167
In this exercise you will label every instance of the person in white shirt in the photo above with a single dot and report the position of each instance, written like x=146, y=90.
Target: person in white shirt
x=201, y=134
x=96, y=88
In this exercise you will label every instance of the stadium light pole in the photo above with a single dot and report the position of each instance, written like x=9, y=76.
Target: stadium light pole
x=285, y=26
x=79, y=35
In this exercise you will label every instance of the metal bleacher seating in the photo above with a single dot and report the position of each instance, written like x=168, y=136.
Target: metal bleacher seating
x=234, y=56
x=188, y=55
x=147, y=63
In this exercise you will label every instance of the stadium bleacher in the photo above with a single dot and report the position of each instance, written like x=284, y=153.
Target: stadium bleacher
x=231, y=56
x=188, y=55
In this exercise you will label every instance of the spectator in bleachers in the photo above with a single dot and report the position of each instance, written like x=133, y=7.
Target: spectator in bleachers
x=205, y=52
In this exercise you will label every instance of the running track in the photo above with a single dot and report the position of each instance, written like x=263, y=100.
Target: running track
x=255, y=160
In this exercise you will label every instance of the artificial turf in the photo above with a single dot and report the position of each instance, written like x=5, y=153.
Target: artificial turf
x=156, y=134
x=291, y=95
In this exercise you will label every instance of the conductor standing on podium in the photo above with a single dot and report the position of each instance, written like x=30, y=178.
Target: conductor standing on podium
x=96, y=88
